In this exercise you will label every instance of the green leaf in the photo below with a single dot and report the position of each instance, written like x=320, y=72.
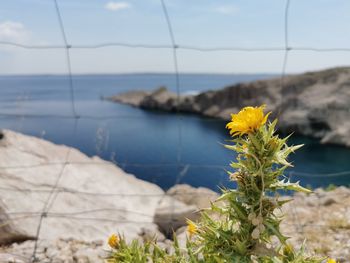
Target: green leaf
x=296, y=147
x=280, y=158
x=271, y=129
x=235, y=165
x=257, y=144
x=282, y=202
x=287, y=185
x=239, y=210
x=230, y=147
x=276, y=232
x=227, y=195
x=241, y=247
x=287, y=150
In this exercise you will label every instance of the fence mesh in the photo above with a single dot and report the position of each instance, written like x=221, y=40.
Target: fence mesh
x=301, y=225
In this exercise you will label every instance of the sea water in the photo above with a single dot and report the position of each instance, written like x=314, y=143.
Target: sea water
x=158, y=147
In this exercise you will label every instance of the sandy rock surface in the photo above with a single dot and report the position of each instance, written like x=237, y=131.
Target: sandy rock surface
x=323, y=220
x=58, y=251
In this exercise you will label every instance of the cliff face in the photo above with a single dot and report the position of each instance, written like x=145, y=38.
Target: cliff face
x=315, y=104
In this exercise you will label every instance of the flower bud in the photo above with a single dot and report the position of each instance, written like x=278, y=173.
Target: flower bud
x=255, y=221
x=251, y=216
x=260, y=219
x=261, y=228
x=256, y=233
x=113, y=241
x=191, y=228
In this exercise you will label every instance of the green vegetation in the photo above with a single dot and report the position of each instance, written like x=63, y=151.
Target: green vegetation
x=241, y=225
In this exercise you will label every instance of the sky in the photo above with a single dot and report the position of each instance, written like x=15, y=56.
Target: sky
x=203, y=23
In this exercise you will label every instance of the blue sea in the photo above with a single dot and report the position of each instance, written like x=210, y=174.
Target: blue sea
x=158, y=147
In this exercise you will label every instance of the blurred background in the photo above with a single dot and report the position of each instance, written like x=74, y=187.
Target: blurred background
x=56, y=65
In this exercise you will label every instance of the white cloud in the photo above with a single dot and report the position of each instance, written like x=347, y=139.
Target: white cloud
x=116, y=6
x=13, y=31
x=226, y=9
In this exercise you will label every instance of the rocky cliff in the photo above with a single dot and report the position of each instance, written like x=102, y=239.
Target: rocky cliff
x=314, y=104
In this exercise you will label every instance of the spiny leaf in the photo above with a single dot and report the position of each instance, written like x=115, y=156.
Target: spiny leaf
x=235, y=165
x=296, y=147
x=276, y=231
x=230, y=147
x=227, y=195
x=255, y=142
x=271, y=129
x=280, y=158
x=287, y=185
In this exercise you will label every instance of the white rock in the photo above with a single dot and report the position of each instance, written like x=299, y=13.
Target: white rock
x=9, y=258
x=200, y=197
x=172, y=214
x=8, y=232
x=94, y=198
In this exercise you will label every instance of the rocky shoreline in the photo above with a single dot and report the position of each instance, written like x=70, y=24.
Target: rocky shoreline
x=315, y=104
x=95, y=198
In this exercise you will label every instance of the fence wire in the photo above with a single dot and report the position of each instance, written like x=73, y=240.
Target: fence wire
x=53, y=193
x=56, y=189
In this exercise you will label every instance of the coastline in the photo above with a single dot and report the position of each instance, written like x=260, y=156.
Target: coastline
x=314, y=104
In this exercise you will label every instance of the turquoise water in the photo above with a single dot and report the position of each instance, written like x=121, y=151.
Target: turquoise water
x=147, y=143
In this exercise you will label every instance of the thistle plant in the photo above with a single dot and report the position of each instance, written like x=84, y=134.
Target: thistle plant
x=249, y=221
x=242, y=225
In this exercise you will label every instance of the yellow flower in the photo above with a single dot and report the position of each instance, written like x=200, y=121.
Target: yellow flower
x=191, y=228
x=288, y=250
x=113, y=241
x=247, y=120
x=331, y=260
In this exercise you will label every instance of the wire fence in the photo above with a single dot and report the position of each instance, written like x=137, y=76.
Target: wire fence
x=55, y=189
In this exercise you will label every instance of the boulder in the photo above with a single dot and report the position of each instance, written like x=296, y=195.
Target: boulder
x=172, y=214
x=8, y=233
x=200, y=197
x=92, y=198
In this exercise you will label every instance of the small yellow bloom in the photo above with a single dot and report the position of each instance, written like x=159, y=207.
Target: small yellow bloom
x=288, y=250
x=331, y=260
x=113, y=241
x=191, y=228
x=247, y=120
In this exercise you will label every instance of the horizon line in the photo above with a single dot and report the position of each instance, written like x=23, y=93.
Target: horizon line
x=134, y=73
x=169, y=73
